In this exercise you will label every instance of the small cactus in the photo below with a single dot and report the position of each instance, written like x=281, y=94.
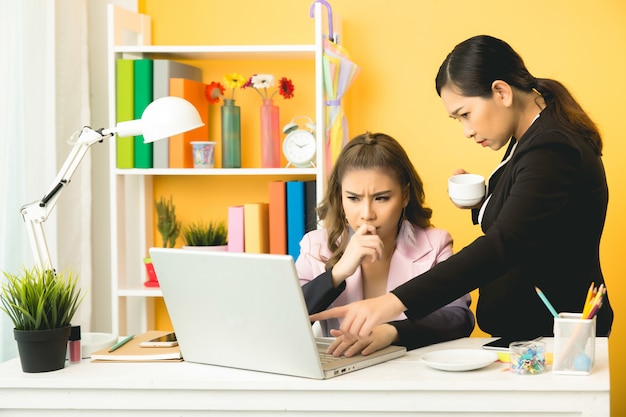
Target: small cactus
x=167, y=224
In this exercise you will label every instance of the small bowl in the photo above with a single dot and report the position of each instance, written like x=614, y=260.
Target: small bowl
x=92, y=342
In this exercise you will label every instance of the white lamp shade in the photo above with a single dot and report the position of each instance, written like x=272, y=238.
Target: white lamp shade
x=164, y=117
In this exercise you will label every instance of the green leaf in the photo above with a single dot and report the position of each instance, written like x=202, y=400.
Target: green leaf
x=36, y=299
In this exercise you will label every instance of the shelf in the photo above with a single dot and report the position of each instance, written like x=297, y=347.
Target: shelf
x=132, y=205
x=223, y=52
x=234, y=172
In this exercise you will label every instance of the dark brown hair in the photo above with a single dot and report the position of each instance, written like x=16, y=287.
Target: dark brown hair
x=474, y=64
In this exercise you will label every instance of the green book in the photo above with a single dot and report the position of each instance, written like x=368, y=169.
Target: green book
x=124, y=99
x=143, y=96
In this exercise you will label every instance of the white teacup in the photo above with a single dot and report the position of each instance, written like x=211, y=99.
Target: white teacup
x=466, y=190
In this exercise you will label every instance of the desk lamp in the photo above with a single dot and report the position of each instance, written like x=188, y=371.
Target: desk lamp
x=164, y=117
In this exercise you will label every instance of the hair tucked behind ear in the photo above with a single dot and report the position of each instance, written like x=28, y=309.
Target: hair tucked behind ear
x=474, y=64
x=369, y=151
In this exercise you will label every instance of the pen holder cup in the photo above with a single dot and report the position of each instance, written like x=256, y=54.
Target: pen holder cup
x=527, y=357
x=574, y=344
x=203, y=154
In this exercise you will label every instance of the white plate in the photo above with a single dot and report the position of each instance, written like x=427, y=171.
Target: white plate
x=459, y=359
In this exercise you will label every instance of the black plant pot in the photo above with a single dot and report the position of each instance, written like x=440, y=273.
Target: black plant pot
x=42, y=350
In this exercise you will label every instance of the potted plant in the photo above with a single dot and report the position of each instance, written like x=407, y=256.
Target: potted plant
x=41, y=305
x=168, y=226
x=211, y=235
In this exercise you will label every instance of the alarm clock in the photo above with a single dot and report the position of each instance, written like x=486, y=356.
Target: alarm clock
x=299, y=146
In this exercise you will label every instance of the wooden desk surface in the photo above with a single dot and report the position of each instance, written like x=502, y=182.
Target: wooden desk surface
x=404, y=385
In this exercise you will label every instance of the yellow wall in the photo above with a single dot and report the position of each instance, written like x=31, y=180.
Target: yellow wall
x=400, y=45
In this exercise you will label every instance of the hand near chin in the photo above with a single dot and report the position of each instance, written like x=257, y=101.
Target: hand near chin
x=364, y=244
x=344, y=344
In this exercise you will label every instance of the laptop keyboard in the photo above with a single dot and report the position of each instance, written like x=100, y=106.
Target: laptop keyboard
x=326, y=358
x=322, y=346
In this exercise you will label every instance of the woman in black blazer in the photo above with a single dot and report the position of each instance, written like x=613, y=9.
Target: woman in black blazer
x=543, y=214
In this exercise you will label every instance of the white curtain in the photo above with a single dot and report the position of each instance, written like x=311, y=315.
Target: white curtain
x=44, y=98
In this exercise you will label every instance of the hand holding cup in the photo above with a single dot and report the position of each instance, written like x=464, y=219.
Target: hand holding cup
x=466, y=190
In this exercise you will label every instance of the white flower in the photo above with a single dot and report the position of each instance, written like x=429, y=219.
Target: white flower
x=264, y=81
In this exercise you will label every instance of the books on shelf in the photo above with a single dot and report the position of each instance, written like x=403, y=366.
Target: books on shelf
x=163, y=70
x=181, y=155
x=124, y=103
x=138, y=83
x=143, y=97
x=276, y=226
x=132, y=352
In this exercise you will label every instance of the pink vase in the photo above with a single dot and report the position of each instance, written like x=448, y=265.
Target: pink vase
x=270, y=135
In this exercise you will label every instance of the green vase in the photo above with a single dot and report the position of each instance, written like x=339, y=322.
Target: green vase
x=231, y=135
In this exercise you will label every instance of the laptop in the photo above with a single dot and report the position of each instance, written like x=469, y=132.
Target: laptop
x=247, y=311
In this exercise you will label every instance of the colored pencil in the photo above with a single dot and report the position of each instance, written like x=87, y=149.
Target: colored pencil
x=588, y=299
x=595, y=303
x=121, y=343
x=547, y=303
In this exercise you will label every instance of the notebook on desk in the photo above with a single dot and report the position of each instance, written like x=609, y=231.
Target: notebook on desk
x=247, y=311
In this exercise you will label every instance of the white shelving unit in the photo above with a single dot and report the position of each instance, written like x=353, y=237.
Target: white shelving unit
x=131, y=189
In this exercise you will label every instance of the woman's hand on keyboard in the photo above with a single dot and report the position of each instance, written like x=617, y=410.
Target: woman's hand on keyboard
x=344, y=344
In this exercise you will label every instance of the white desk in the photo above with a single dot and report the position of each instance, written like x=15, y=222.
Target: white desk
x=403, y=386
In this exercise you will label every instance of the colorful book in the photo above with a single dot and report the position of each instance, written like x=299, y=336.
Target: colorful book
x=143, y=97
x=310, y=205
x=278, y=217
x=181, y=155
x=295, y=217
x=236, y=241
x=256, y=227
x=124, y=102
x=163, y=70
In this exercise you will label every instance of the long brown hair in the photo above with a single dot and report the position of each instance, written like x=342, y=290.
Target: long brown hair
x=370, y=151
x=474, y=64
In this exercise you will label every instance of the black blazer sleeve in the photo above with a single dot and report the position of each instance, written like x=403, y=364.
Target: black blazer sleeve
x=320, y=293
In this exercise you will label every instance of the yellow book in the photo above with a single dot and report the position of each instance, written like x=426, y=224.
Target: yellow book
x=256, y=227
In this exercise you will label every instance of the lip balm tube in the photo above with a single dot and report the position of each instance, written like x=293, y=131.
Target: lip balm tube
x=74, y=345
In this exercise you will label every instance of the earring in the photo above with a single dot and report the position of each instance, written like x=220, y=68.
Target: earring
x=402, y=218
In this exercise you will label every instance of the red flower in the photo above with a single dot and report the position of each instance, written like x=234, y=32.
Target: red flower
x=213, y=92
x=285, y=88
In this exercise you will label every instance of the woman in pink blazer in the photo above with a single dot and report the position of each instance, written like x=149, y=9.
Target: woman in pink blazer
x=377, y=235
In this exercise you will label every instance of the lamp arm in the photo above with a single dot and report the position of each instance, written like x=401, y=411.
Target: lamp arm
x=37, y=212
